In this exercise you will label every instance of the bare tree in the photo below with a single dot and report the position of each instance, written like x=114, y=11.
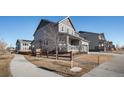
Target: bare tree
x=51, y=37
x=3, y=45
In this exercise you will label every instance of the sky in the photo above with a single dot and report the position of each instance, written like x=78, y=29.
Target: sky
x=23, y=27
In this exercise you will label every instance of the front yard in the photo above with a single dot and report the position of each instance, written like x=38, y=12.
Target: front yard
x=91, y=58
x=62, y=67
x=4, y=65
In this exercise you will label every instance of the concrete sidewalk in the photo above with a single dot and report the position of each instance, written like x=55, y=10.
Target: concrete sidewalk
x=20, y=67
x=115, y=68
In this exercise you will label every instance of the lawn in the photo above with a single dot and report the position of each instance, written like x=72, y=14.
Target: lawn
x=62, y=67
x=4, y=65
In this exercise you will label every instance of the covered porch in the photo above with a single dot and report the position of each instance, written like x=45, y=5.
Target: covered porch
x=69, y=43
x=73, y=44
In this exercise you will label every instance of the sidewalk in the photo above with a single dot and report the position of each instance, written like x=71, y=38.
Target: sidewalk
x=20, y=67
x=115, y=68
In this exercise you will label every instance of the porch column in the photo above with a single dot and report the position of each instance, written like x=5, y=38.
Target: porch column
x=80, y=46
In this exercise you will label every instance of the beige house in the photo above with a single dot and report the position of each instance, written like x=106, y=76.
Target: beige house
x=62, y=34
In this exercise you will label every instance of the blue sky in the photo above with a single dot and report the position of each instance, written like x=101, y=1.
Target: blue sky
x=23, y=27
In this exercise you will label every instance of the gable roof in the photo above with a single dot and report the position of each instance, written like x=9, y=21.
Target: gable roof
x=42, y=23
x=92, y=33
x=69, y=20
x=22, y=41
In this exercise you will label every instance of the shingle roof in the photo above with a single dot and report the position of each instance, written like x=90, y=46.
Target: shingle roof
x=42, y=23
x=21, y=40
x=90, y=32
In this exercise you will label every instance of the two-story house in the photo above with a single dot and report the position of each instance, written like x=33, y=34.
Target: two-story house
x=23, y=46
x=62, y=34
x=110, y=46
x=97, y=41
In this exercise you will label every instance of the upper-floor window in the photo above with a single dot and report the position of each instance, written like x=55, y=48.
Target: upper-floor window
x=62, y=28
x=100, y=37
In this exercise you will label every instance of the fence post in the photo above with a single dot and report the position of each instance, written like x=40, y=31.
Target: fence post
x=71, y=58
x=47, y=53
x=98, y=59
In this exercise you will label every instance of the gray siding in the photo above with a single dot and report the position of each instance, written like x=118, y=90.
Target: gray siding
x=93, y=40
x=45, y=38
x=96, y=40
x=63, y=32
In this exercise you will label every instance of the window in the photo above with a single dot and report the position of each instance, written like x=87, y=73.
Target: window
x=85, y=38
x=46, y=42
x=29, y=47
x=100, y=37
x=62, y=28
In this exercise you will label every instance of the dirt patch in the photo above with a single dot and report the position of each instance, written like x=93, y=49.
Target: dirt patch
x=4, y=65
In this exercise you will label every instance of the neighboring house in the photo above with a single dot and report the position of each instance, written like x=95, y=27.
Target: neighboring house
x=110, y=46
x=23, y=46
x=62, y=35
x=97, y=40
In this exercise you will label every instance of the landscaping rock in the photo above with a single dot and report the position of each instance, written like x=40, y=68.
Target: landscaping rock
x=75, y=69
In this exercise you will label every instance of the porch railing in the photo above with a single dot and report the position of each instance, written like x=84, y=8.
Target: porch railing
x=73, y=47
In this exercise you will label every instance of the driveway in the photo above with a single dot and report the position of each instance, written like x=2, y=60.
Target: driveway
x=115, y=68
x=20, y=67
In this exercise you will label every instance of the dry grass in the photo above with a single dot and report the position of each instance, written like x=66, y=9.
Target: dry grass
x=93, y=58
x=4, y=65
x=61, y=67
x=86, y=62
